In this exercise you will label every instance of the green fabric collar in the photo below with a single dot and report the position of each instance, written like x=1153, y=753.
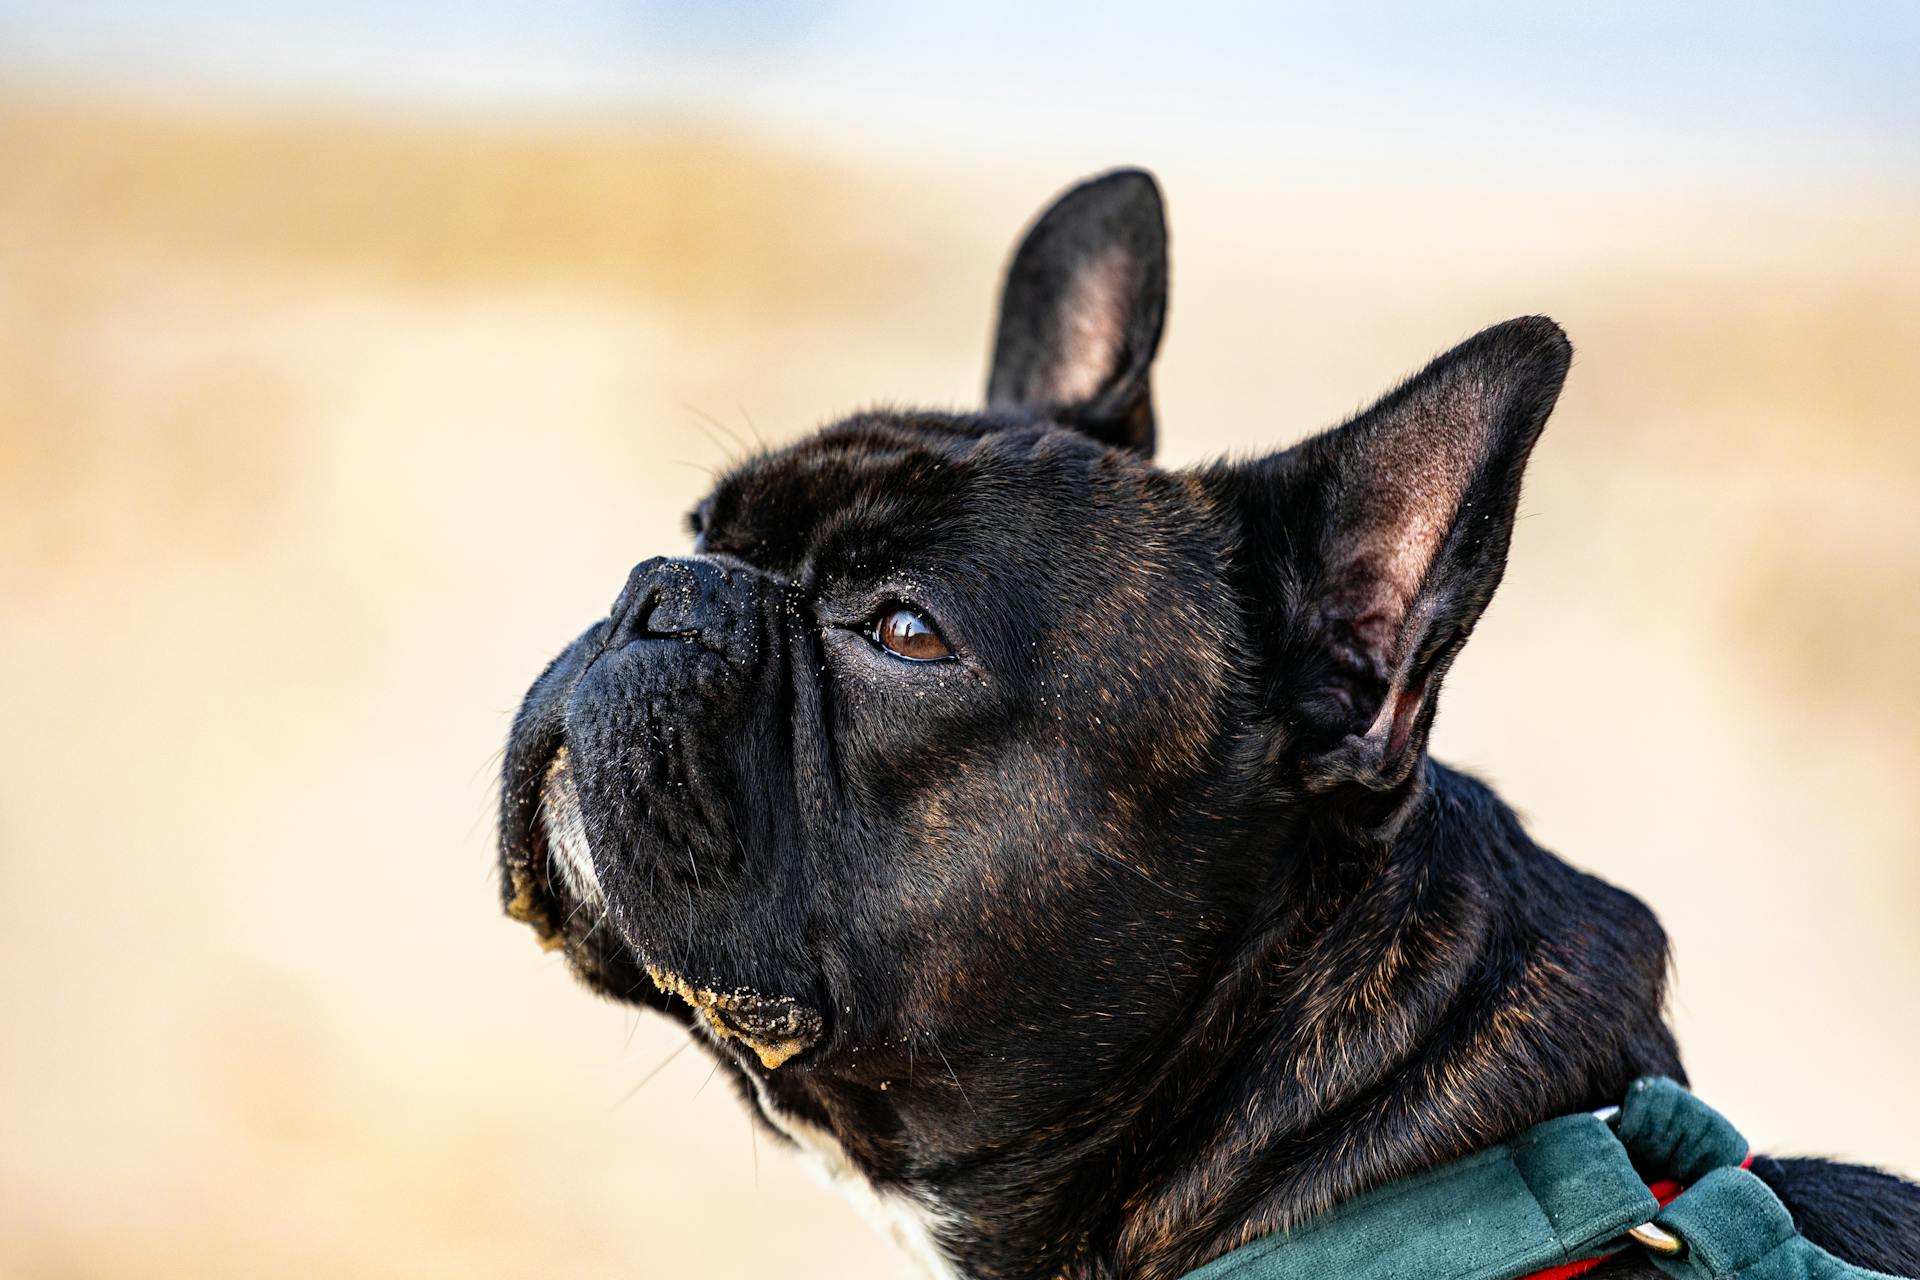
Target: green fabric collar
x=1562, y=1192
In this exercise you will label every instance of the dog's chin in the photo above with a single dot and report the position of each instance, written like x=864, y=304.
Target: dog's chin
x=557, y=892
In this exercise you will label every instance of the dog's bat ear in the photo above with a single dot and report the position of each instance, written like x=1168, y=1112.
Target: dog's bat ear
x=1375, y=547
x=1081, y=311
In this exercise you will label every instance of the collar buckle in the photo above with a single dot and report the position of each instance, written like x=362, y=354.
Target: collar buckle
x=1649, y=1235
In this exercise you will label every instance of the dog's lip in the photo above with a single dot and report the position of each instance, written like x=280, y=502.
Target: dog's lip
x=525, y=902
x=778, y=1030
x=526, y=849
x=774, y=1029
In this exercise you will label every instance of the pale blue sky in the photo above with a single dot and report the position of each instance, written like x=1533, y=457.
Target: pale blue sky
x=1804, y=88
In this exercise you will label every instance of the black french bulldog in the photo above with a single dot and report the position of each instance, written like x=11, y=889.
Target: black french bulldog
x=1046, y=842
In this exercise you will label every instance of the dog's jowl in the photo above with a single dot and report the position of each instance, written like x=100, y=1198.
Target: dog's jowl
x=1046, y=842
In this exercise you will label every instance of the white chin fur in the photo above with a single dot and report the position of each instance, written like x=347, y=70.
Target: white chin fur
x=567, y=850
x=902, y=1219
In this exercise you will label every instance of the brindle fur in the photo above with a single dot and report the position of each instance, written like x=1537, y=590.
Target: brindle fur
x=1146, y=926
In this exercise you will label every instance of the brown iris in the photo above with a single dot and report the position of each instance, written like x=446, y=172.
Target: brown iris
x=902, y=631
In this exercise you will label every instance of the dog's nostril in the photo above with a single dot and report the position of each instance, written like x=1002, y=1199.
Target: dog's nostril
x=667, y=598
x=659, y=618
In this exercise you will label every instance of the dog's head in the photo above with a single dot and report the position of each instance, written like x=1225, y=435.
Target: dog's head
x=941, y=773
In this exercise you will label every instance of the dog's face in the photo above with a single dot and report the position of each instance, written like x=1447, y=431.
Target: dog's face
x=882, y=767
x=932, y=784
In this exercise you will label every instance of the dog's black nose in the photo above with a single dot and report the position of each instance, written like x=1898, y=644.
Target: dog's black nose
x=671, y=597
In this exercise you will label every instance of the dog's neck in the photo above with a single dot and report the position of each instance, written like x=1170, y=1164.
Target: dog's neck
x=1448, y=988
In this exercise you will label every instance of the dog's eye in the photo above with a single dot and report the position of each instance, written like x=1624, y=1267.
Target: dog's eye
x=904, y=633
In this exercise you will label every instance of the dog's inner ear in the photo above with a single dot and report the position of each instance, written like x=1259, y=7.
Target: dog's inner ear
x=1376, y=546
x=1082, y=308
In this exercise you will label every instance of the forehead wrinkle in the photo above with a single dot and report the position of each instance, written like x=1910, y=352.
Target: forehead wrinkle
x=888, y=514
x=810, y=503
x=773, y=505
x=871, y=494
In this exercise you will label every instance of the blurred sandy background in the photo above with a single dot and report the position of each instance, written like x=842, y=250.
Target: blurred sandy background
x=348, y=361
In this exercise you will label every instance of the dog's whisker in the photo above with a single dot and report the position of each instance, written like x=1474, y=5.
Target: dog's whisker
x=935, y=1041
x=753, y=1139
x=704, y=470
x=577, y=909
x=657, y=1069
x=539, y=821
x=739, y=444
x=709, y=1080
x=489, y=768
x=748, y=419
